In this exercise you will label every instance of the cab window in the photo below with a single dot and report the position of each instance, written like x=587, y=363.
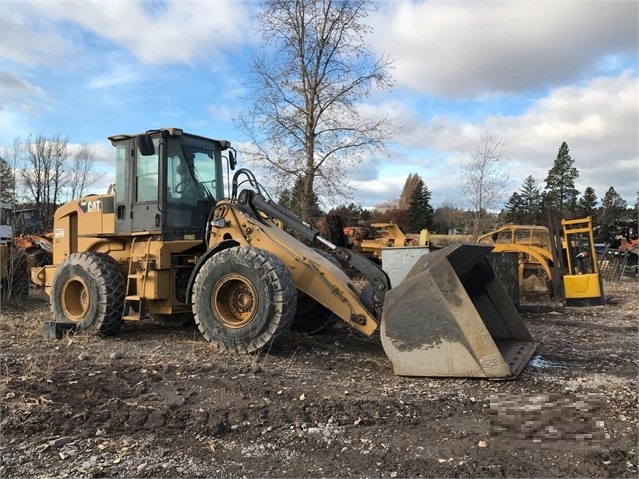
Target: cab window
x=180, y=183
x=147, y=176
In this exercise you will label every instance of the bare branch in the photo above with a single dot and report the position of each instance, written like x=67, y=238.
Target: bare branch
x=483, y=178
x=306, y=87
x=82, y=171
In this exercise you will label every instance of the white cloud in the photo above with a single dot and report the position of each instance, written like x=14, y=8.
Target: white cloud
x=118, y=76
x=18, y=91
x=468, y=49
x=31, y=39
x=598, y=120
x=174, y=32
x=373, y=192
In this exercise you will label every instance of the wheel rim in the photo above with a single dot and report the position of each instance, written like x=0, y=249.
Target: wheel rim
x=75, y=298
x=234, y=301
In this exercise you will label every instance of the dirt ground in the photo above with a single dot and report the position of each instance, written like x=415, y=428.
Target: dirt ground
x=159, y=401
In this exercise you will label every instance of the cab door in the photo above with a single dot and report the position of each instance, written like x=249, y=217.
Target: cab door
x=146, y=211
x=137, y=194
x=124, y=157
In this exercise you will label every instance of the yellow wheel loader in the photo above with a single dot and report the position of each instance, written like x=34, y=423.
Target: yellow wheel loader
x=171, y=243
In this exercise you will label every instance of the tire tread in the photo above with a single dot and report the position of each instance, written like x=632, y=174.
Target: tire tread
x=284, y=297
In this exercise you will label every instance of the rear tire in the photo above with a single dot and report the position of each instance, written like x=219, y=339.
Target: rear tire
x=243, y=298
x=88, y=290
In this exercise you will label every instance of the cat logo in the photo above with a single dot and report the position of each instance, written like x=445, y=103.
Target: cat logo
x=89, y=206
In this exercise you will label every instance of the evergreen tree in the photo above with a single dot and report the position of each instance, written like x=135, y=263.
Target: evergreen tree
x=515, y=209
x=612, y=207
x=525, y=206
x=420, y=212
x=588, y=203
x=285, y=199
x=531, y=199
x=561, y=195
x=407, y=192
x=295, y=202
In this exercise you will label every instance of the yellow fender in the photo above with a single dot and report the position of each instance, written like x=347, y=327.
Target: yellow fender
x=542, y=256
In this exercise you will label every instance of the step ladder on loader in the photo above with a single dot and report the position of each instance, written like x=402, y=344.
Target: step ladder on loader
x=138, y=269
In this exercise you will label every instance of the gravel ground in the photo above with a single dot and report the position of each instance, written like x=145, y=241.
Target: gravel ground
x=159, y=401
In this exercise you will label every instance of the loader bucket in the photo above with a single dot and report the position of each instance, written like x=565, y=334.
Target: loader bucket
x=451, y=316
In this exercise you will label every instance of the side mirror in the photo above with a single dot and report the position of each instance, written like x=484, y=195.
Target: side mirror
x=145, y=145
x=232, y=162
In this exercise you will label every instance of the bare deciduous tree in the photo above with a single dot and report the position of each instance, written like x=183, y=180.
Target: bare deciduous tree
x=11, y=157
x=307, y=86
x=7, y=183
x=44, y=174
x=483, y=179
x=82, y=174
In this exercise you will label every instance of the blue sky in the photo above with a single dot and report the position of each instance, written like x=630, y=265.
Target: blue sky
x=531, y=73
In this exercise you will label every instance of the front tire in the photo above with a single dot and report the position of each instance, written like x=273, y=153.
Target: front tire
x=243, y=298
x=88, y=290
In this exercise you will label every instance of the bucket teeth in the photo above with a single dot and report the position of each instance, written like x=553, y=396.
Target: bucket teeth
x=451, y=316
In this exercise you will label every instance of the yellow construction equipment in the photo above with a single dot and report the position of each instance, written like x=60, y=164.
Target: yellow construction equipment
x=532, y=243
x=369, y=240
x=171, y=243
x=575, y=258
x=582, y=282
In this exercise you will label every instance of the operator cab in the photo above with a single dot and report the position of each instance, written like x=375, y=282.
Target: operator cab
x=167, y=182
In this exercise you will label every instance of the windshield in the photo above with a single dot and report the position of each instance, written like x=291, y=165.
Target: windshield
x=192, y=170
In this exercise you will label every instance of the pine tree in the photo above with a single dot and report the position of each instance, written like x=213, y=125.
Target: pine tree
x=561, y=195
x=285, y=199
x=531, y=199
x=515, y=209
x=420, y=212
x=525, y=206
x=305, y=205
x=588, y=203
x=293, y=201
x=612, y=207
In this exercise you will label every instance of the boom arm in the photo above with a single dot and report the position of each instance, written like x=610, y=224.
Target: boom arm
x=251, y=200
